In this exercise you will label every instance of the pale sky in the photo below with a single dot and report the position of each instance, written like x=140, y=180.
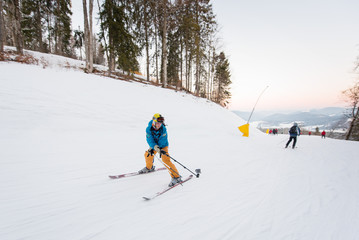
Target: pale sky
x=304, y=50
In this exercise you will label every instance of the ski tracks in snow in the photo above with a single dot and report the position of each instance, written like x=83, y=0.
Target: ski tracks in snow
x=296, y=189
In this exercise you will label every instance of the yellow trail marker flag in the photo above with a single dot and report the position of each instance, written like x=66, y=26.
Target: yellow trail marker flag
x=244, y=129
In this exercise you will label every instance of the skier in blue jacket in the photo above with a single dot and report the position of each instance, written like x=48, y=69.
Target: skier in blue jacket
x=294, y=131
x=156, y=136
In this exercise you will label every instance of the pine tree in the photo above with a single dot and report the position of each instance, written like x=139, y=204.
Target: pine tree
x=79, y=38
x=116, y=25
x=14, y=14
x=107, y=28
x=49, y=28
x=187, y=30
x=205, y=27
x=128, y=48
x=32, y=24
x=144, y=17
x=62, y=27
x=99, y=57
x=173, y=59
x=222, y=80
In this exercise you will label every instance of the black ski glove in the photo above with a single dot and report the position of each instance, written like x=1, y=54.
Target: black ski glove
x=150, y=151
x=163, y=152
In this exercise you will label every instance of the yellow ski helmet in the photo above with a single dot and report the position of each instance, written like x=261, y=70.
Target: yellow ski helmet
x=158, y=118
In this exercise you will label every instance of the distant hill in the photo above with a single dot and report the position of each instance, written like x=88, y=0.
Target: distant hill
x=325, y=118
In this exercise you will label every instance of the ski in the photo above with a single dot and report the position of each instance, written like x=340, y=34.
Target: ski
x=167, y=189
x=134, y=173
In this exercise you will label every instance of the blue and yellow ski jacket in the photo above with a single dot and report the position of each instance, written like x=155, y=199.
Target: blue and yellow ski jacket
x=156, y=137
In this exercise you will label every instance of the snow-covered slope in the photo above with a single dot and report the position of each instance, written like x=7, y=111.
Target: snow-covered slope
x=63, y=132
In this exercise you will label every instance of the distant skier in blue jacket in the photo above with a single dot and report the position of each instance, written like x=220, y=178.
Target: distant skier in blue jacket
x=294, y=131
x=156, y=136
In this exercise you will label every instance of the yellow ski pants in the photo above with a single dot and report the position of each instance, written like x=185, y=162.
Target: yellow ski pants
x=166, y=160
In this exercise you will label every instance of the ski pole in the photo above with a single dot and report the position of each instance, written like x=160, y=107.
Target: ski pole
x=164, y=164
x=198, y=171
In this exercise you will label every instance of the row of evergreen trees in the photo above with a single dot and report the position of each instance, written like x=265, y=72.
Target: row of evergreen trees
x=176, y=39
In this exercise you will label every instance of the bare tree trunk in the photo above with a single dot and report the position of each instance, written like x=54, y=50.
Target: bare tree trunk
x=197, y=69
x=164, y=45
x=209, y=74
x=104, y=37
x=189, y=71
x=351, y=95
x=145, y=6
x=213, y=65
x=186, y=68
x=1, y=29
x=88, y=35
x=91, y=36
x=219, y=90
x=179, y=84
x=48, y=20
x=197, y=74
x=94, y=49
x=347, y=136
x=355, y=115
x=56, y=33
x=17, y=28
x=156, y=42
x=197, y=43
x=39, y=30
x=111, y=61
x=156, y=56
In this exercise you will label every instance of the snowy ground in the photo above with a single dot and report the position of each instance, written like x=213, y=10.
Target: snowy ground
x=63, y=132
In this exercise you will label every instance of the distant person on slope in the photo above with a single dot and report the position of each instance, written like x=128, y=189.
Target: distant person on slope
x=156, y=136
x=323, y=134
x=294, y=131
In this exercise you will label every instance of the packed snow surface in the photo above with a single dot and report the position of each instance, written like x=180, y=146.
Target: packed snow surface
x=62, y=132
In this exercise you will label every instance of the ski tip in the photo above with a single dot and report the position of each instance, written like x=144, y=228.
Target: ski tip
x=146, y=198
x=115, y=177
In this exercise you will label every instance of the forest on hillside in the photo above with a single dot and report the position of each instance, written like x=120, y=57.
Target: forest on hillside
x=177, y=39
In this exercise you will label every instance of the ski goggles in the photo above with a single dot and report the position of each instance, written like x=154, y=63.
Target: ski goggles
x=160, y=119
